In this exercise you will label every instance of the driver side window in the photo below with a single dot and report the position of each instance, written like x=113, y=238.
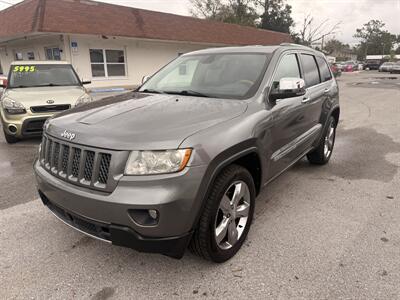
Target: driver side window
x=288, y=67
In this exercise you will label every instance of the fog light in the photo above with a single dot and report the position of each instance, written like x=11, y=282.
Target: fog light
x=12, y=128
x=153, y=214
x=144, y=217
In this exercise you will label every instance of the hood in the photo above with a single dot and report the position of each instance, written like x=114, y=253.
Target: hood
x=143, y=122
x=39, y=95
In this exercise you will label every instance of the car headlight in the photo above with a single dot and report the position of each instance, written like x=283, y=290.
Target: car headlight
x=13, y=107
x=157, y=162
x=83, y=100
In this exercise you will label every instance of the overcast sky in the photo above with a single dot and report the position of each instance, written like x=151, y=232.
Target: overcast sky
x=352, y=13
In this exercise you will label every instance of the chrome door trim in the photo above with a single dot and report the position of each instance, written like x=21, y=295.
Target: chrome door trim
x=285, y=150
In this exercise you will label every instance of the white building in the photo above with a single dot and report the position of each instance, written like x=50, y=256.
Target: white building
x=112, y=45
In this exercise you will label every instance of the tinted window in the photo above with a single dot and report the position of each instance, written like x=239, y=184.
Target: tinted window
x=311, y=74
x=288, y=67
x=324, y=69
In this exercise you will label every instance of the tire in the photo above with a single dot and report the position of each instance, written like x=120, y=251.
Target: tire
x=10, y=139
x=214, y=216
x=321, y=155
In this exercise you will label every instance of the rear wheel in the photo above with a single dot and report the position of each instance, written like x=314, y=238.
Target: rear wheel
x=10, y=139
x=227, y=216
x=323, y=152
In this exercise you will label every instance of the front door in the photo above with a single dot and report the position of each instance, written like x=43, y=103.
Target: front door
x=290, y=120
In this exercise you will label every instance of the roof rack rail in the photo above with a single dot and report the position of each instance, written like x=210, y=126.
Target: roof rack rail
x=292, y=44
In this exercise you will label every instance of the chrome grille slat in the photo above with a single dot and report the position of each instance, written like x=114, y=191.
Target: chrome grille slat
x=77, y=164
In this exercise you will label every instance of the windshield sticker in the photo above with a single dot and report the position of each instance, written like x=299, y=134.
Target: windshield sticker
x=24, y=69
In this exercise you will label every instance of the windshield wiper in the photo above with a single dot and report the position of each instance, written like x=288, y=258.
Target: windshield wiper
x=49, y=84
x=151, y=91
x=188, y=93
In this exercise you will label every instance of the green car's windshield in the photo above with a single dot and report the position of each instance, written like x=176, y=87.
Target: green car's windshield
x=225, y=75
x=24, y=76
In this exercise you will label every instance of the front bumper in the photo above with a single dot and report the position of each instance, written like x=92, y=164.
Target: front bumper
x=26, y=124
x=107, y=216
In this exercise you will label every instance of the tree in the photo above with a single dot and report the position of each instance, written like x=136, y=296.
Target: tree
x=241, y=12
x=311, y=33
x=335, y=46
x=276, y=15
x=374, y=39
x=208, y=9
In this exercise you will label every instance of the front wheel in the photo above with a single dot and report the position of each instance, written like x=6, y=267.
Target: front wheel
x=323, y=152
x=10, y=139
x=227, y=215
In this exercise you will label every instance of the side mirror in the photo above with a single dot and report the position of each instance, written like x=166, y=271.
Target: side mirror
x=289, y=87
x=145, y=78
x=86, y=82
x=3, y=83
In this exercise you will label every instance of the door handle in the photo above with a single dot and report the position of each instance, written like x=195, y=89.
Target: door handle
x=326, y=91
x=306, y=99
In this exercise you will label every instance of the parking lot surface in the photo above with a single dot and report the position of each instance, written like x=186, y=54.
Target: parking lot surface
x=330, y=232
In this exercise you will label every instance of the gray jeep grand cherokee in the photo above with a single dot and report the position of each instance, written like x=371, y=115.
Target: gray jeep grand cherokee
x=180, y=161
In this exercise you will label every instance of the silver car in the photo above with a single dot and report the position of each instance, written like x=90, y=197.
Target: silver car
x=181, y=160
x=395, y=68
x=386, y=67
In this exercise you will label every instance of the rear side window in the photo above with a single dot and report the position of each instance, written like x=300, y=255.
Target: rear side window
x=324, y=69
x=288, y=67
x=311, y=73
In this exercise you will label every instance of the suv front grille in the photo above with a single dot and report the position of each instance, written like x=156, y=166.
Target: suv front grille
x=88, y=167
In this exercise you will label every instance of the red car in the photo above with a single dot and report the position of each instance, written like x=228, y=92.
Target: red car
x=349, y=66
x=336, y=70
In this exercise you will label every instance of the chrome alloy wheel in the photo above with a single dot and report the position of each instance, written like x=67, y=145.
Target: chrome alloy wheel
x=232, y=215
x=329, y=140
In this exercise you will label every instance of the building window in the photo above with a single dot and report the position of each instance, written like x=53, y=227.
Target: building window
x=31, y=55
x=107, y=63
x=19, y=56
x=53, y=53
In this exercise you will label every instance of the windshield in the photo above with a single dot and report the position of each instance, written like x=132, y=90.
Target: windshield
x=23, y=76
x=225, y=75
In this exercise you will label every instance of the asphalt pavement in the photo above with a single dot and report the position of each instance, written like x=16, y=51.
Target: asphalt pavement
x=330, y=232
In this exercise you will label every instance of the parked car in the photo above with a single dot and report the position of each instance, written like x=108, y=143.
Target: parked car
x=386, y=67
x=337, y=72
x=349, y=66
x=34, y=91
x=395, y=68
x=339, y=65
x=372, y=64
x=3, y=82
x=181, y=160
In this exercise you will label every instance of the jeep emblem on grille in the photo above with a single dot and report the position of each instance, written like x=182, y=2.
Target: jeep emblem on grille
x=68, y=135
x=50, y=101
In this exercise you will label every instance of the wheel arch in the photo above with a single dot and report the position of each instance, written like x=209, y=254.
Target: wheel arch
x=245, y=154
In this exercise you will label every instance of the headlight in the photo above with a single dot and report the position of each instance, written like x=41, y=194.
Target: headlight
x=13, y=107
x=83, y=100
x=157, y=162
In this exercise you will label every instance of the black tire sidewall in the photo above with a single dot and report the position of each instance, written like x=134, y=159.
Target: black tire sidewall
x=10, y=139
x=216, y=253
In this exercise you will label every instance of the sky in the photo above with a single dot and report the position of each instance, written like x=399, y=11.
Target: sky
x=351, y=13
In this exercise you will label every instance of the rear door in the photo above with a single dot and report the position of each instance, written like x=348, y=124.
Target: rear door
x=317, y=91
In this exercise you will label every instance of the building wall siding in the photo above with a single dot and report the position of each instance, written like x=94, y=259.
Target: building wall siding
x=143, y=57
